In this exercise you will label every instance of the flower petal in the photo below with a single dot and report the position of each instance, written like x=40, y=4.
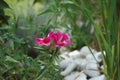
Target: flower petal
x=60, y=39
x=43, y=41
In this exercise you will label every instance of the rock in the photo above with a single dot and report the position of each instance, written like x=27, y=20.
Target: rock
x=92, y=73
x=84, y=60
x=101, y=77
x=69, y=69
x=81, y=76
x=72, y=76
x=81, y=63
x=76, y=76
x=90, y=59
x=97, y=58
x=84, y=51
x=102, y=67
x=65, y=62
x=74, y=54
x=92, y=66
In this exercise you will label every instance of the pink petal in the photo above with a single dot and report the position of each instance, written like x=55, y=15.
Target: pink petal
x=60, y=39
x=39, y=40
x=65, y=37
x=67, y=43
x=46, y=41
x=50, y=34
x=43, y=41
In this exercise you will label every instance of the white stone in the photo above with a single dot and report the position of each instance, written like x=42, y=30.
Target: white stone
x=90, y=59
x=81, y=63
x=92, y=66
x=92, y=73
x=102, y=67
x=98, y=56
x=81, y=76
x=82, y=60
x=74, y=54
x=69, y=69
x=64, y=63
x=101, y=77
x=84, y=51
x=72, y=76
x=94, y=58
x=92, y=29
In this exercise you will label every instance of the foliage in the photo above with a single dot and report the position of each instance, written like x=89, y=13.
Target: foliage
x=19, y=60
x=108, y=36
x=66, y=17
x=106, y=31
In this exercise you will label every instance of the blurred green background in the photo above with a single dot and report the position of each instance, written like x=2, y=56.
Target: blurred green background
x=21, y=21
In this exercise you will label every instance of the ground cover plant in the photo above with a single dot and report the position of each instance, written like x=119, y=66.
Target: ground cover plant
x=86, y=22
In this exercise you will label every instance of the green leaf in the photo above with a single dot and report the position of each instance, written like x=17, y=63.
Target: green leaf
x=11, y=3
x=1, y=40
x=8, y=58
x=11, y=43
x=41, y=73
x=46, y=11
x=4, y=27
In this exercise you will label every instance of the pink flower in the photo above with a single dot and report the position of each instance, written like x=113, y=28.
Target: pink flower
x=60, y=39
x=43, y=41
